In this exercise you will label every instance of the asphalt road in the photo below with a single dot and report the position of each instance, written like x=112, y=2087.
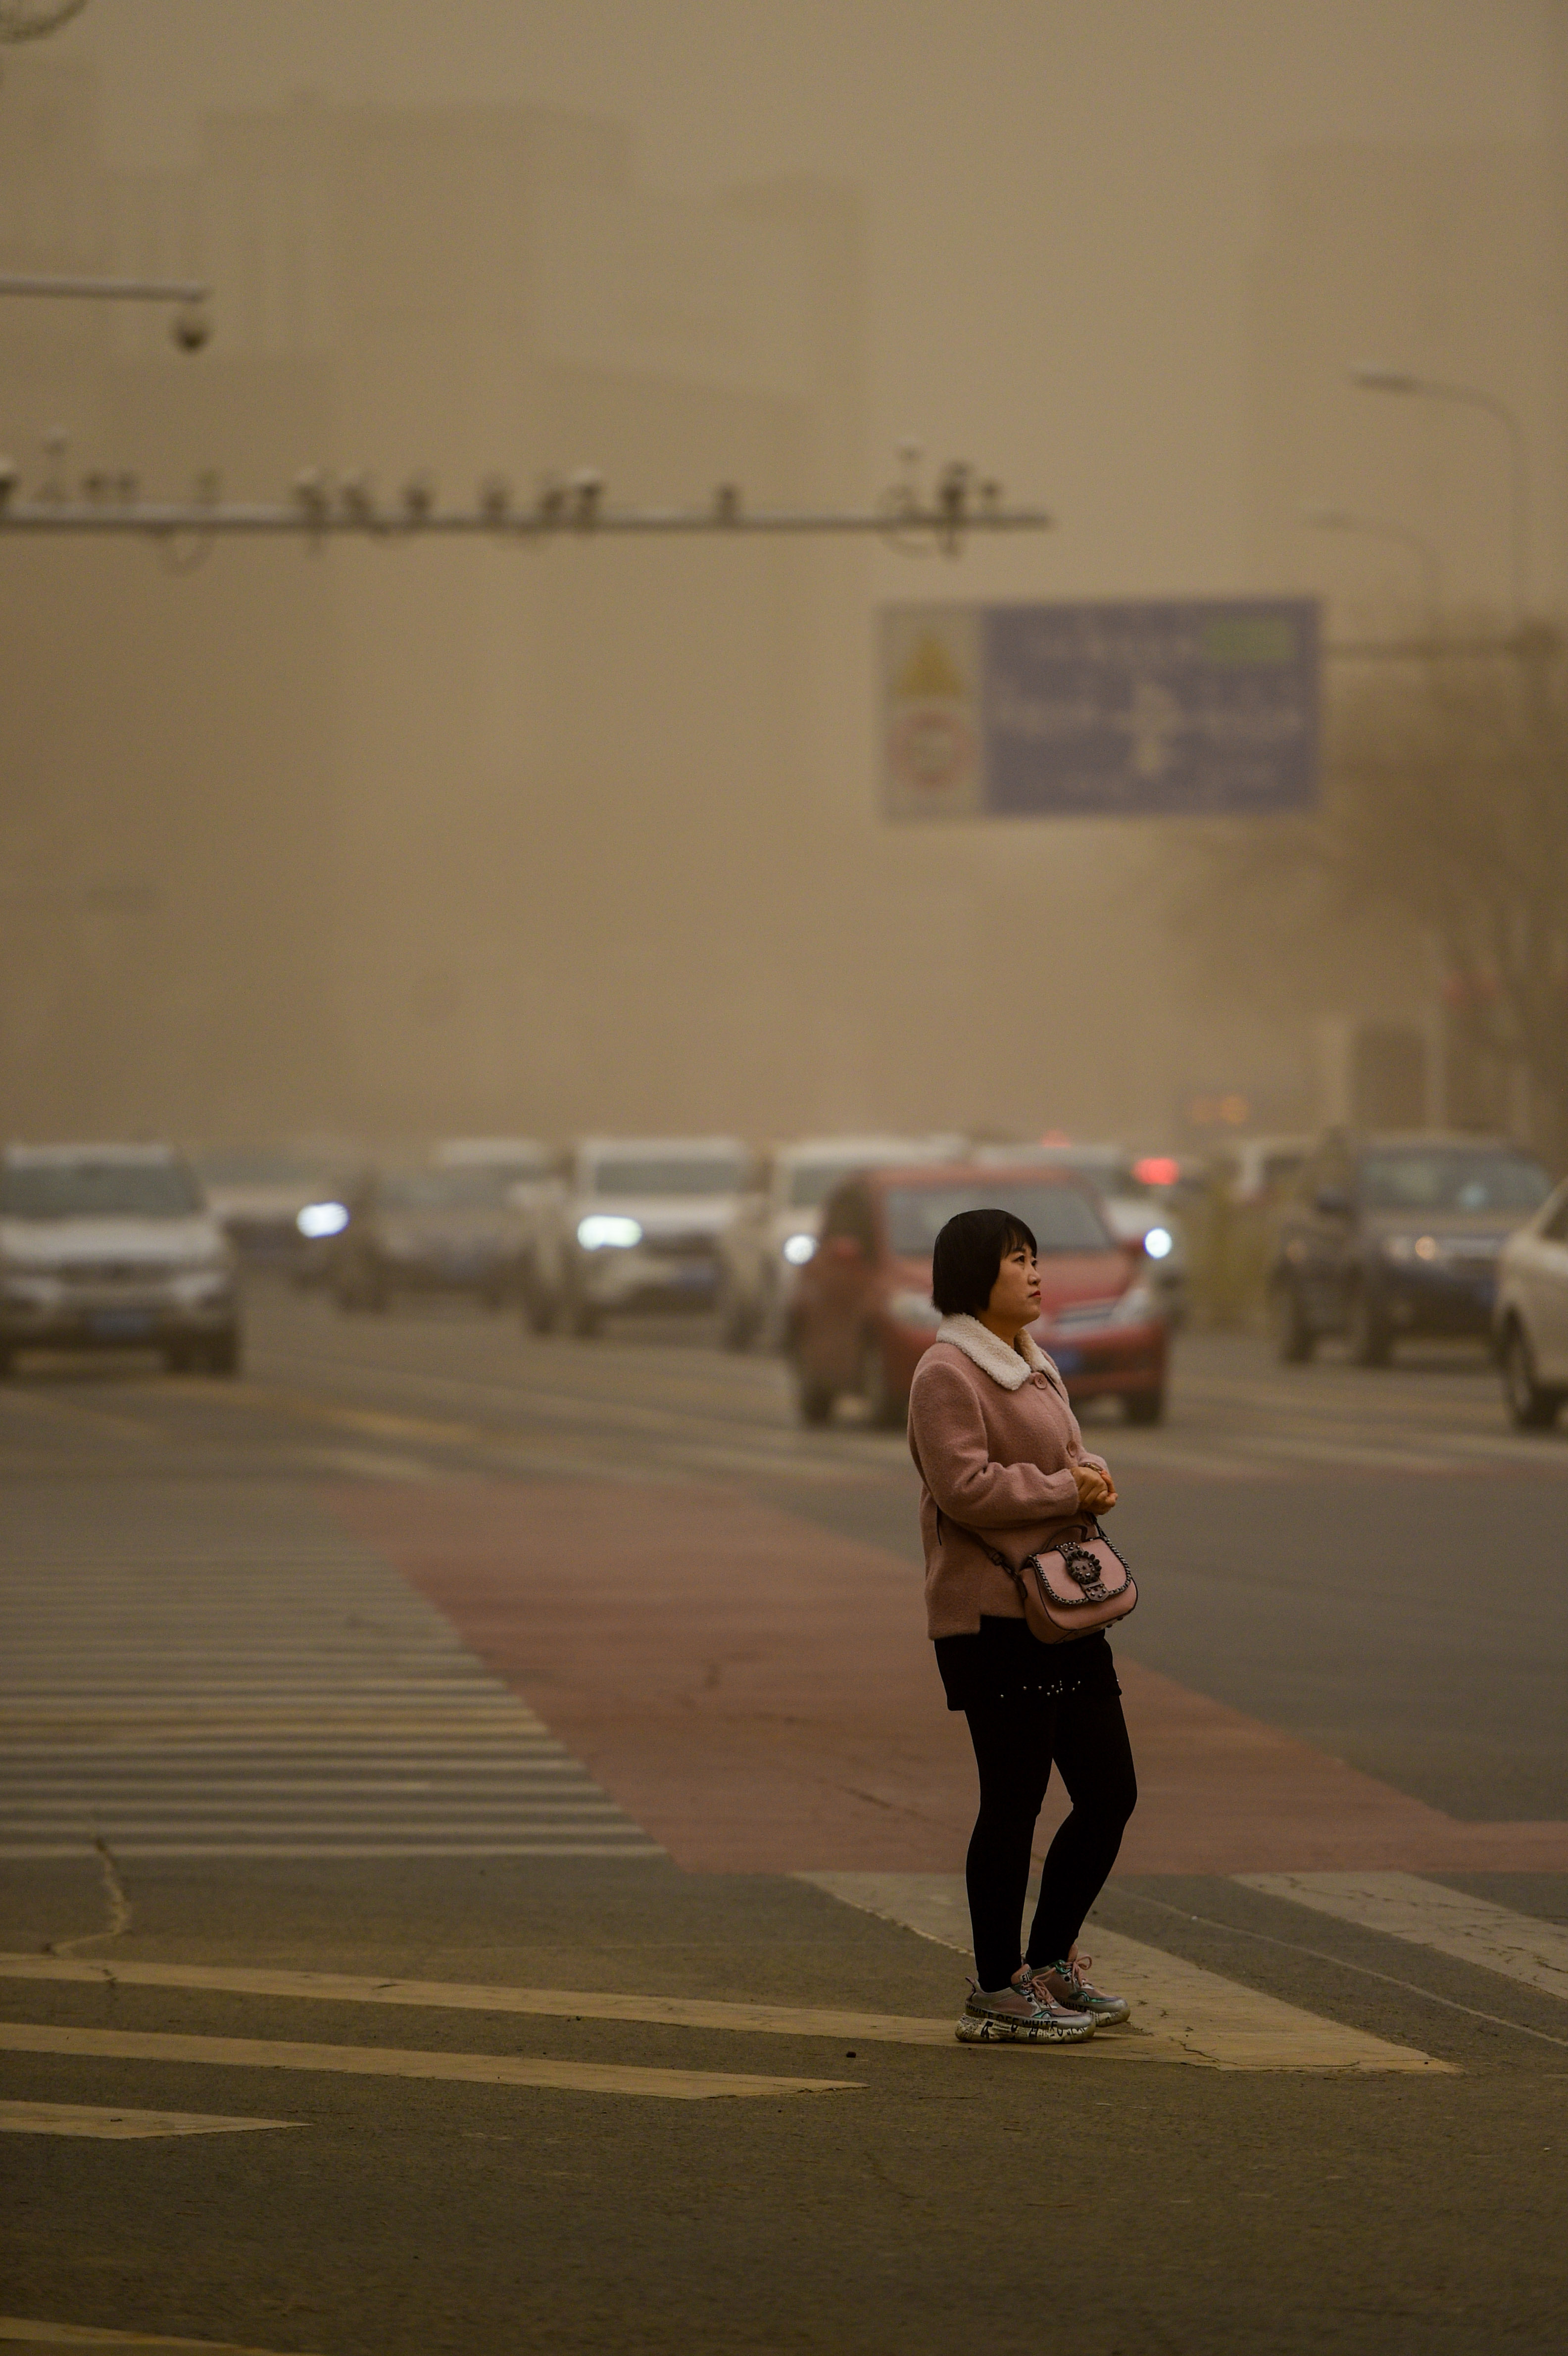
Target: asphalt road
x=480, y=1846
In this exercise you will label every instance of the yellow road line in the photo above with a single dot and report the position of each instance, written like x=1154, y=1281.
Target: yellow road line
x=119, y=2125
x=457, y=1996
x=372, y=1464
x=390, y=2062
x=29, y=2332
x=577, y=1457
x=1189, y=2014
x=63, y=1410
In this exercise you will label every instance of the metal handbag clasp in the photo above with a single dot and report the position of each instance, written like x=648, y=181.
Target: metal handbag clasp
x=1083, y=1568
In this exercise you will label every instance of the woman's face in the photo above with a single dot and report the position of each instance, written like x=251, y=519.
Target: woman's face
x=1015, y=1296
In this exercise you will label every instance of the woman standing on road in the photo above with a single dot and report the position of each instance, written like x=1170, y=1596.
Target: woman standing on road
x=1002, y=1466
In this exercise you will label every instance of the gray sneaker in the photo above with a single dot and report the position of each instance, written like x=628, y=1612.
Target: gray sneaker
x=1020, y=2015
x=1065, y=1983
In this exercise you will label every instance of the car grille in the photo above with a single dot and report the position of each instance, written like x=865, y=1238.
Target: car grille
x=255, y=1232
x=680, y=1246
x=117, y=1271
x=1479, y=1248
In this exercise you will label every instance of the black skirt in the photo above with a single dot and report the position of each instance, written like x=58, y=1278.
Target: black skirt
x=1004, y=1659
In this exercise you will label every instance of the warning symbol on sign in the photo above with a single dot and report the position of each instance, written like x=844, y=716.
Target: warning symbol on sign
x=931, y=723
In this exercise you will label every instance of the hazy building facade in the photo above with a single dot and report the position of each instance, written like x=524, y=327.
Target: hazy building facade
x=399, y=836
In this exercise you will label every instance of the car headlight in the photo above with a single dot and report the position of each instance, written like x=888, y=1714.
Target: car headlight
x=604, y=1232
x=1137, y=1306
x=798, y=1249
x=916, y=1309
x=1159, y=1243
x=1405, y=1248
x=318, y=1219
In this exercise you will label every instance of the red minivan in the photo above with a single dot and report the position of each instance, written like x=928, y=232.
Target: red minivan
x=863, y=1316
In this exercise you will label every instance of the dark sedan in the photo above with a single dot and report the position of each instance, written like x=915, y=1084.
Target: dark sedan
x=1387, y=1237
x=429, y=1229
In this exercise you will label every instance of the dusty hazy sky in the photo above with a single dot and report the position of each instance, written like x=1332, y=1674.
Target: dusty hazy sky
x=1063, y=196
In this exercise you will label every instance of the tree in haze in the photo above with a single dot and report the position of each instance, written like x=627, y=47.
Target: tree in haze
x=1445, y=805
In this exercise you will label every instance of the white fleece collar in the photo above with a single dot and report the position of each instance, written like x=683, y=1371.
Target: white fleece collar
x=992, y=1355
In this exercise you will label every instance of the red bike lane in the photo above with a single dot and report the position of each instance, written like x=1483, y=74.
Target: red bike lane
x=758, y=1694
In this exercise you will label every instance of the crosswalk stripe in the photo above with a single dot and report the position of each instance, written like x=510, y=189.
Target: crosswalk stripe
x=1189, y=2014
x=32, y=2331
x=227, y=1695
x=394, y=2062
x=1429, y=1914
x=320, y=1845
x=458, y=1996
x=119, y=2125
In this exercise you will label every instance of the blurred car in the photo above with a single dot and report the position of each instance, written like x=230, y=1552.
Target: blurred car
x=1530, y=1318
x=111, y=1247
x=1136, y=1193
x=421, y=1229
x=257, y=1193
x=863, y=1315
x=774, y=1234
x=523, y=1161
x=1393, y=1236
x=1257, y=1171
x=637, y=1225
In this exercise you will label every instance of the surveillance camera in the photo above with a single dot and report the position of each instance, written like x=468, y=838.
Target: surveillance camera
x=495, y=498
x=311, y=492
x=587, y=490
x=191, y=329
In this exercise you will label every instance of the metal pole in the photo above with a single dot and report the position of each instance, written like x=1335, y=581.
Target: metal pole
x=319, y=518
x=1372, y=379
x=108, y=290
x=1377, y=528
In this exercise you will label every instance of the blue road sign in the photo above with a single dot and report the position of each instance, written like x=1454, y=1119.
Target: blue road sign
x=1189, y=708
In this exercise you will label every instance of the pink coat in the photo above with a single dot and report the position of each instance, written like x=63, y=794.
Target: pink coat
x=994, y=1440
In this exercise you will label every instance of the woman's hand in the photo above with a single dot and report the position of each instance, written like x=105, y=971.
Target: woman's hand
x=1096, y=1490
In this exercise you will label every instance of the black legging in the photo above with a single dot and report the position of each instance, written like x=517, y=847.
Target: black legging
x=1016, y=1740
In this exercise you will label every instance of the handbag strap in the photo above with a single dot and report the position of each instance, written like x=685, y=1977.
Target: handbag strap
x=1089, y=1522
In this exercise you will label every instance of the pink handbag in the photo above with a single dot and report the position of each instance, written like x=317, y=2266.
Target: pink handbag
x=1075, y=1588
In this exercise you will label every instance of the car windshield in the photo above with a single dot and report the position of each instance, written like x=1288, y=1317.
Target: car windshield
x=1453, y=1178
x=1277, y=1171
x=810, y=1182
x=706, y=1173
x=1103, y=1174
x=444, y=1190
x=97, y=1190
x=1062, y=1217
x=257, y=1169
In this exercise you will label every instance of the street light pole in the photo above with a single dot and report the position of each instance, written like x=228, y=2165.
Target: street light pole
x=1369, y=377
x=1323, y=518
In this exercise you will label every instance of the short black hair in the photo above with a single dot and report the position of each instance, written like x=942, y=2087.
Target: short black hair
x=968, y=1259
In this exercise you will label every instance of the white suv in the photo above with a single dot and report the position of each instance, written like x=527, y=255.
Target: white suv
x=775, y=1234
x=637, y=1225
x=1530, y=1318
x=111, y=1247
